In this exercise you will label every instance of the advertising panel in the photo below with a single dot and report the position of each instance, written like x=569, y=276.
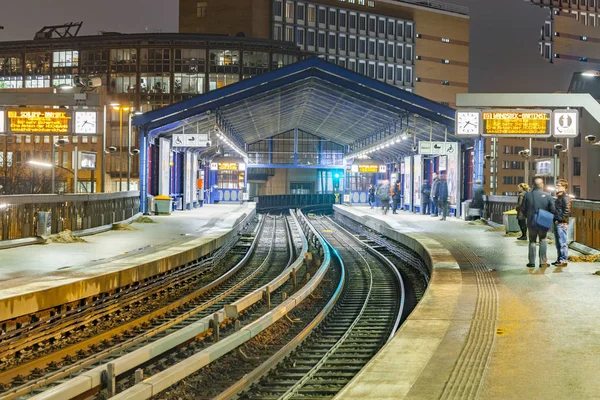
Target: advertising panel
x=407, y=181
x=193, y=177
x=452, y=176
x=188, y=177
x=417, y=179
x=164, y=179
x=87, y=160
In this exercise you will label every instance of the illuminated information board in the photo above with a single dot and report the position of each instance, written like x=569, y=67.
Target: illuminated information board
x=33, y=121
x=519, y=123
x=368, y=168
x=225, y=166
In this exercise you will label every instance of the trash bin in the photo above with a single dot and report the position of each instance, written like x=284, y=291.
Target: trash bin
x=163, y=204
x=509, y=218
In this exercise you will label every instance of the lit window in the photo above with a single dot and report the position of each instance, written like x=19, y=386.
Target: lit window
x=371, y=4
x=445, y=40
x=418, y=35
x=417, y=57
x=201, y=9
x=361, y=2
x=584, y=59
x=417, y=79
x=445, y=61
x=446, y=83
x=584, y=38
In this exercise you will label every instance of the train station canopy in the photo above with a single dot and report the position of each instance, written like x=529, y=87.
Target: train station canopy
x=314, y=96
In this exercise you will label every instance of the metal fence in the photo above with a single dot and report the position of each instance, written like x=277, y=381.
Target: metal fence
x=19, y=214
x=279, y=202
x=585, y=212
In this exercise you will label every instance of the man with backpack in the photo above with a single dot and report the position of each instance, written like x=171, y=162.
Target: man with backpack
x=538, y=208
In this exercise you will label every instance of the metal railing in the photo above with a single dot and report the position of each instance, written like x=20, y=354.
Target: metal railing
x=19, y=214
x=287, y=201
x=585, y=212
x=440, y=5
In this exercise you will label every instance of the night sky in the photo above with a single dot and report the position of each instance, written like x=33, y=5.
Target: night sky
x=504, y=35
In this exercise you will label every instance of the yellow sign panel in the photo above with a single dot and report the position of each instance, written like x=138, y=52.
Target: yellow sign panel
x=521, y=123
x=368, y=168
x=228, y=166
x=33, y=121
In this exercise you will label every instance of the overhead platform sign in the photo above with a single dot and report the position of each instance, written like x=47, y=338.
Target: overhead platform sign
x=517, y=123
x=190, y=140
x=433, y=148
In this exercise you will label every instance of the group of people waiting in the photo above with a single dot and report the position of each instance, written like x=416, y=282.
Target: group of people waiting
x=435, y=197
x=529, y=204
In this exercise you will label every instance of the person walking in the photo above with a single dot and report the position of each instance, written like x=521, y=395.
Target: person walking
x=441, y=194
x=523, y=189
x=396, y=193
x=478, y=203
x=534, y=201
x=562, y=212
x=371, y=195
x=425, y=196
x=384, y=196
x=434, y=185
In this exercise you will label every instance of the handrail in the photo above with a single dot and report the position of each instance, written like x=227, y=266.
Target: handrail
x=170, y=376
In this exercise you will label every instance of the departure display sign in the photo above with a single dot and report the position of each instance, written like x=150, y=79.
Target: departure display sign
x=517, y=123
x=42, y=121
x=368, y=168
x=223, y=166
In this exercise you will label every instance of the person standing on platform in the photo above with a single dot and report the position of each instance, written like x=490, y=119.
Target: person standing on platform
x=561, y=223
x=441, y=194
x=425, y=195
x=536, y=200
x=523, y=189
x=396, y=193
x=434, y=206
x=478, y=202
x=371, y=195
x=384, y=196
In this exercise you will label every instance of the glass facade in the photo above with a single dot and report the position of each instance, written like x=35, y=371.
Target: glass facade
x=349, y=38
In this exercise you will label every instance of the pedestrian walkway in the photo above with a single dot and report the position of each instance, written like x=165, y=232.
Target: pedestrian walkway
x=488, y=326
x=112, y=258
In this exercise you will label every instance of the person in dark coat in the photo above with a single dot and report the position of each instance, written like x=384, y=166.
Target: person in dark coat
x=434, y=185
x=562, y=212
x=478, y=202
x=523, y=189
x=441, y=194
x=426, y=194
x=396, y=193
x=371, y=195
x=533, y=201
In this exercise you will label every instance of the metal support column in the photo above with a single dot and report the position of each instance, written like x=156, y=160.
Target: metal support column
x=143, y=171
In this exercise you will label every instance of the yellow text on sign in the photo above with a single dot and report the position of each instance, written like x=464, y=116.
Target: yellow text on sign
x=39, y=121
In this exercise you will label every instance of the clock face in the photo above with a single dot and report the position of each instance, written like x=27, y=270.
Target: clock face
x=467, y=123
x=85, y=122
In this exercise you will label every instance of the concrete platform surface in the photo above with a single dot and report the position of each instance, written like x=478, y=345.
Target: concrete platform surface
x=114, y=258
x=494, y=330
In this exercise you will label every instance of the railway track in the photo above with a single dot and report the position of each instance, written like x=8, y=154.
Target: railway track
x=155, y=325
x=361, y=322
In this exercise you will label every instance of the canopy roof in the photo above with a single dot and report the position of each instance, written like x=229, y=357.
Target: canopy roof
x=312, y=95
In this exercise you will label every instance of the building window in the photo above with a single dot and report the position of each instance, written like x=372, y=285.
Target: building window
x=342, y=19
x=352, y=65
x=399, y=51
x=576, y=166
x=444, y=40
x=372, y=47
x=321, y=40
x=289, y=10
x=321, y=16
x=289, y=33
x=277, y=32
x=352, y=44
x=390, y=72
x=332, y=18
x=372, y=25
x=390, y=27
x=409, y=53
x=408, y=76
x=390, y=50
x=300, y=10
x=342, y=43
x=312, y=14
x=381, y=26
x=362, y=46
x=409, y=30
x=277, y=8
x=331, y=41
x=201, y=9
x=400, y=29
x=372, y=70
x=380, y=72
x=300, y=37
x=362, y=68
x=352, y=21
x=310, y=38
x=362, y=22
x=342, y=62
x=361, y=2
x=371, y=3
x=399, y=75
x=577, y=191
x=381, y=49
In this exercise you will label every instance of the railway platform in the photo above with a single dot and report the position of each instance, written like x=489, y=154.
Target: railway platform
x=488, y=327
x=37, y=277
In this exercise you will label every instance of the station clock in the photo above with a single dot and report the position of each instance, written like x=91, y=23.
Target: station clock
x=468, y=123
x=86, y=122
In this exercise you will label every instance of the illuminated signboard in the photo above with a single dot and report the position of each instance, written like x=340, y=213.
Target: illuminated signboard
x=1, y=121
x=368, y=168
x=225, y=166
x=33, y=121
x=520, y=123
x=87, y=160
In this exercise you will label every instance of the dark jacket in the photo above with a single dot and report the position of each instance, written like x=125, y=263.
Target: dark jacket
x=397, y=192
x=562, y=208
x=384, y=193
x=441, y=191
x=520, y=214
x=478, y=198
x=535, y=200
x=434, y=186
x=426, y=190
x=372, y=193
